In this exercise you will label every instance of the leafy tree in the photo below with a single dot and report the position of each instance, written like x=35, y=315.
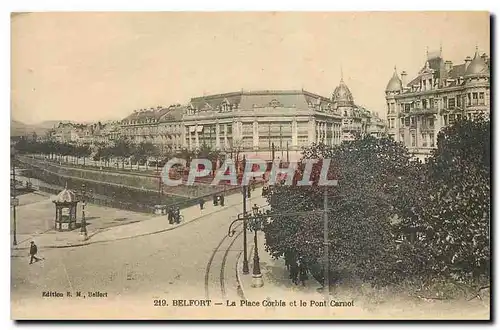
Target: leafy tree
x=122, y=150
x=361, y=208
x=451, y=212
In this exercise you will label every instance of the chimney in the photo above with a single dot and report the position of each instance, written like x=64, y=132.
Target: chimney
x=404, y=75
x=467, y=62
x=448, y=65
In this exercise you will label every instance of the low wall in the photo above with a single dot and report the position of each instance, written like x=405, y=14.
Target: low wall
x=108, y=190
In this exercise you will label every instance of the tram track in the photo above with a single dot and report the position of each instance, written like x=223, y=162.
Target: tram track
x=219, y=259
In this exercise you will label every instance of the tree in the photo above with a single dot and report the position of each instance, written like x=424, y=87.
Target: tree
x=370, y=172
x=451, y=213
x=122, y=150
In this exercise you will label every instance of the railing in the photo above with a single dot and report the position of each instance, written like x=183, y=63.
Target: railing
x=120, y=197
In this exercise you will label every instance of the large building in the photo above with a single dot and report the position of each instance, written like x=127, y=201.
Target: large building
x=254, y=123
x=356, y=120
x=161, y=126
x=439, y=95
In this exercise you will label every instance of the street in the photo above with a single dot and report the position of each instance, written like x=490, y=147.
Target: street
x=132, y=272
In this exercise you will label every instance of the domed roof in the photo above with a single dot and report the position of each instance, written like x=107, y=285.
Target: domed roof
x=65, y=196
x=477, y=66
x=342, y=94
x=395, y=84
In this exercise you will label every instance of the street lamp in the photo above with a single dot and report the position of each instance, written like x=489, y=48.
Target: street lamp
x=14, y=200
x=257, y=281
x=230, y=233
x=84, y=197
x=245, y=193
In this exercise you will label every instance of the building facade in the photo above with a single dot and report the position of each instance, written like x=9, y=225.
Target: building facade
x=439, y=95
x=161, y=126
x=264, y=124
x=254, y=123
x=356, y=120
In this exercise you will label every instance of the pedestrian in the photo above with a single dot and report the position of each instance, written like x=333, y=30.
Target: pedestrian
x=287, y=261
x=215, y=197
x=170, y=215
x=253, y=183
x=222, y=200
x=178, y=215
x=33, y=252
x=294, y=273
x=249, y=194
x=302, y=272
x=255, y=209
x=202, y=203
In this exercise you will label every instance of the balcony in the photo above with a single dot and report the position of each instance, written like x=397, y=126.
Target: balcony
x=427, y=127
x=351, y=127
x=421, y=111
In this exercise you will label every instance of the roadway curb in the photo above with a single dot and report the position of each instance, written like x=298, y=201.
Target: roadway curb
x=239, y=266
x=241, y=291
x=122, y=238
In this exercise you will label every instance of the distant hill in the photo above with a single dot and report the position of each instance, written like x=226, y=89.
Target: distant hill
x=18, y=128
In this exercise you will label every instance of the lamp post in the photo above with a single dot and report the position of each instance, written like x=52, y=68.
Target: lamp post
x=326, y=282
x=287, y=155
x=245, y=252
x=257, y=281
x=14, y=200
x=244, y=216
x=84, y=221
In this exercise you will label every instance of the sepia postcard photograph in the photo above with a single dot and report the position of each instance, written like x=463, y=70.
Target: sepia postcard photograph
x=250, y=165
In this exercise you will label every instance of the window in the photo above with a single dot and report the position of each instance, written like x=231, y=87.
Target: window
x=424, y=141
x=474, y=98
x=445, y=117
x=452, y=119
x=407, y=107
x=431, y=122
x=445, y=101
x=412, y=121
x=481, y=98
x=451, y=102
x=407, y=121
x=402, y=121
x=431, y=138
x=459, y=101
x=468, y=99
x=413, y=140
x=431, y=103
x=424, y=104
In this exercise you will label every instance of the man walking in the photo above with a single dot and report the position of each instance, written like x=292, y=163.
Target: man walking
x=202, y=203
x=33, y=252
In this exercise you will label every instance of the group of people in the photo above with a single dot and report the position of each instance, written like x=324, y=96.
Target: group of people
x=174, y=215
x=297, y=269
x=217, y=199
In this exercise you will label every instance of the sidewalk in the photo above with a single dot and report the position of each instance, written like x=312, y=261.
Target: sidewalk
x=155, y=224
x=278, y=286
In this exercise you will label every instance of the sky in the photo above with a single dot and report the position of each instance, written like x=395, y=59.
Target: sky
x=102, y=66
